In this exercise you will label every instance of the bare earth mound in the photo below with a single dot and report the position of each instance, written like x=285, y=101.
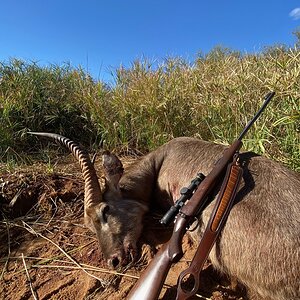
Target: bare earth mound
x=47, y=253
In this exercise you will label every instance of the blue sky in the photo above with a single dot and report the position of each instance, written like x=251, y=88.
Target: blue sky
x=102, y=35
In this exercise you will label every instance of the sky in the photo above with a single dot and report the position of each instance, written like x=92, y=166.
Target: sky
x=100, y=35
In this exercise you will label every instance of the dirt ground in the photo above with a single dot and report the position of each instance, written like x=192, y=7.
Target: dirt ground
x=47, y=253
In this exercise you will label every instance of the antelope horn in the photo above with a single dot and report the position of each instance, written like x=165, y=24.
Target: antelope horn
x=92, y=190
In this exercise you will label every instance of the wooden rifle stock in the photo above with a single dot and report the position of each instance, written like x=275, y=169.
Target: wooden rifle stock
x=149, y=285
x=215, y=224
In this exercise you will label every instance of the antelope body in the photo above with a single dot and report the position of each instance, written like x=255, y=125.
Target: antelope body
x=260, y=243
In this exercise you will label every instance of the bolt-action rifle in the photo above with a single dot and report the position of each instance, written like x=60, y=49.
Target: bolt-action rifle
x=149, y=285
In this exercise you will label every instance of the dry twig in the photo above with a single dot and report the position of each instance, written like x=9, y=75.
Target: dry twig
x=31, y=230
x=28, y=278
x=8, y=254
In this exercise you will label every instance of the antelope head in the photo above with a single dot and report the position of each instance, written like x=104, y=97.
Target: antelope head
x=116, y=221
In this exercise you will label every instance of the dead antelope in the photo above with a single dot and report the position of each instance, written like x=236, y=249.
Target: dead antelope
x=260, y=243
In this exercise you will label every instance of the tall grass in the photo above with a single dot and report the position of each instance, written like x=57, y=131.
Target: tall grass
x=211, y=98
x=44, y=99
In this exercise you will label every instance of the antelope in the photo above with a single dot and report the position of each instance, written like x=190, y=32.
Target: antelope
x=260, y=243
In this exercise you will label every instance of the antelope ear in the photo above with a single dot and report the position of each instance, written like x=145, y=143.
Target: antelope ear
x=113, y=168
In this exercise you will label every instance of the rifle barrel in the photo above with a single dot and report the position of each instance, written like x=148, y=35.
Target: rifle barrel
x=268, y=98
x=149, y=285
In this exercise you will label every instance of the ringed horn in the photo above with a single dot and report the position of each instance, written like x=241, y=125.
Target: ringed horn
x=92, y=190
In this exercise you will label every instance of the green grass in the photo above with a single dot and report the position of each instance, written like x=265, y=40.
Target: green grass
x=211, y=98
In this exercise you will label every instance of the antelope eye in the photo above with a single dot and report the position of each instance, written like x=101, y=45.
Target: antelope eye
x=122, y=188
x=105, y=211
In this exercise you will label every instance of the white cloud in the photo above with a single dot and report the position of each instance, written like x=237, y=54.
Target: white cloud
x=295, y=13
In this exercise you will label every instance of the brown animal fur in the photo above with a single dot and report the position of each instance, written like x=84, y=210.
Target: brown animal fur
x=260, y=244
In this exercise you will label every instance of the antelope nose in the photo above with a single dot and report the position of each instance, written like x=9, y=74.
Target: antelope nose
x=114, y=262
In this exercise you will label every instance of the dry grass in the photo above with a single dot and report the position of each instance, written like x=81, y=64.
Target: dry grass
x=211, y=98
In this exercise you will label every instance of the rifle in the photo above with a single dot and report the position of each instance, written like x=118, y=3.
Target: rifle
x=150, y=283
